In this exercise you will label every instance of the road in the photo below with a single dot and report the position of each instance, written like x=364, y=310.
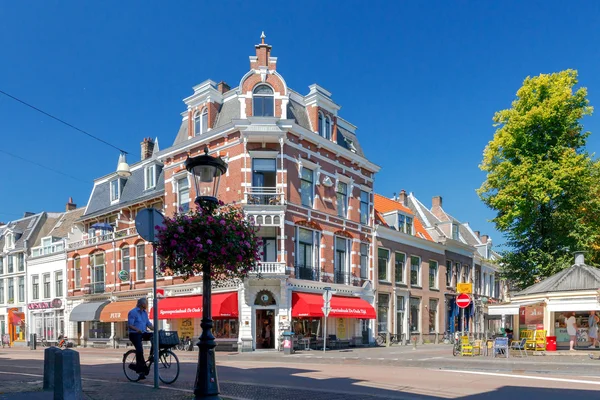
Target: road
x=399, y=374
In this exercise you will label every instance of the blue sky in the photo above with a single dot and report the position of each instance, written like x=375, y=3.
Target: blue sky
x=421, y=80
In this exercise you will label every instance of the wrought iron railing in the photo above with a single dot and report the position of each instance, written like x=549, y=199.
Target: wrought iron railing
x=307, y=272
x=103, y=238
x=264, y=196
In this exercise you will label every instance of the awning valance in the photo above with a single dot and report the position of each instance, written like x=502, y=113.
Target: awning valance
x=581, y=305
x=509, y=309
x=87, y=311
x=310, y=305
x=224, y=305
x=117, y=311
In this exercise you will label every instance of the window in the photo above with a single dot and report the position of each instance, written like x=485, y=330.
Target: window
x=116, y=187
x=455, y=235
x=35, y=286
x=400, y=317
x=342, y=199
x=457, y=272
x=150, y=176
x=11, y=267
x=58, y=276
x=97, y=266
x=327, y=134
x=269, y=249
x=433, y=310
x=140, y=261
x=415, y=271
x=383, y=258
x=11, y=290
x=21, y=289
x=341, y=276
x=415, y=314
x=183, y=194
x=264, y=181
x=197, y=124
x=400, y=260
x=10, y=240
x=306, y=250
x=226, y=328
x=448, y=273
x=364, y=207
x=99, y=330
x=47, y=286
x=306, y=187
x=204, y=120
x=263, y=103
x=21, y=262
x=496, y=293
x=1, y=291
x=405, y=224
x=433, y=274
x=1, y=265
x=364, y=260
x=383, y=305
x=485, y=284
x=308, y=327
x=77, y=269
x=477, y=279
x=125, y=259
x=321, y=126
x=466, y=274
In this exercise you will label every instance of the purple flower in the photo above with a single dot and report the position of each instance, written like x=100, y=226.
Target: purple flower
x=222, y=222
x=209, y=241
x=173, y=243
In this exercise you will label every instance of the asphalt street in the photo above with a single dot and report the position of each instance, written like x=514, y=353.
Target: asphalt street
x=393, y=373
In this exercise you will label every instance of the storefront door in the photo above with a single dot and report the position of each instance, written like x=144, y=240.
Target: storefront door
x=265, y=329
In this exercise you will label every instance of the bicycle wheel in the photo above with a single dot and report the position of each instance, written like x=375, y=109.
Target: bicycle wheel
x=455, y=350
x=168, y=367
x=129, y=360
x=379, y=340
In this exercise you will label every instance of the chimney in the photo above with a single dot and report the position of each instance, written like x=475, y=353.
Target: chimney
x=579, y=258
x=436, y=201
x=223, y=87
x=70, y=205
x=263, y=52
x=484, y=239
x=478, y=234
x=147, y=148
x=402, y=198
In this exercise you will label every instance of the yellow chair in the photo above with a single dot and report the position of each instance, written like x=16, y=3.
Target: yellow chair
x=466, y=348
x=477, y=346
x=540, y=340
x=529, y=340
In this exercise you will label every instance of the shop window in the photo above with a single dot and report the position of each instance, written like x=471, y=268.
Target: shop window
x=99, y=330
x=415, y=314
x=307, y=327
x=433, y=311
x=226, y=328
x=383, y=306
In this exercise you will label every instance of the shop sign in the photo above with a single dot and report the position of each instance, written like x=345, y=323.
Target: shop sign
x=531, y=315
x=42, y=305
x=464, y=288
x=124, y=275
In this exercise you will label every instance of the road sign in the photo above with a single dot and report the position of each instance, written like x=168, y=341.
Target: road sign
x=463, y=300
x=146, y=221
x=327, y=296
x=124, y=275
x=464, y=288
x=160, y=293
x=326, y=311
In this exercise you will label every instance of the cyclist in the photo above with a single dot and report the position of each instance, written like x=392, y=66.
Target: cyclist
x=138, y=324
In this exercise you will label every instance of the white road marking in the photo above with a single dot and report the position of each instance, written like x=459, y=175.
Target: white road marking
x=539, y=378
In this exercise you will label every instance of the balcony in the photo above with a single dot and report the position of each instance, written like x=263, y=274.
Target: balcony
x=104, y=238
x=270, y=268
x=39, y=251
x=308, y=273
x=264, y=196
x=94, y=288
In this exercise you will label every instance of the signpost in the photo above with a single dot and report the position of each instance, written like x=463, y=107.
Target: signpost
x=326, y=309
x=463, y=300
x=464, y=288
x=146, y=222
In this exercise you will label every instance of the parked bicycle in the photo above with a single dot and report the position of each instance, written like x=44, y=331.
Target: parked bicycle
x=381, y=339
x=43, y=342
x=185, y=345
x=168, y=363
x=64, y=342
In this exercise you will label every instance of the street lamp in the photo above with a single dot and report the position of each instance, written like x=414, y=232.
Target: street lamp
x=207, y=172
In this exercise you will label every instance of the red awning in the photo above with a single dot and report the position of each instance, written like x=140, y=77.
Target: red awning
x=17, y=318
x=309, y=305
x=224, y=305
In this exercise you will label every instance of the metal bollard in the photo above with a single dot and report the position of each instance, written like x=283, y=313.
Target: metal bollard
x=67, y=377
x=49, y=368
x=414, y=342
x=387, y=339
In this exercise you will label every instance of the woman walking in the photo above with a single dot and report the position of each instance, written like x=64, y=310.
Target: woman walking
x=571, y=330
x=593, y=329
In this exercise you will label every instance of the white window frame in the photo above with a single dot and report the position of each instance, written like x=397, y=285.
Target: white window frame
x=321, y=124
x=120, y=184
x=387, y=268
x=328, y=128
x=49, y=275
x=368, y=216
x=346, y=204
x=77, y=281
x=455, y=233
x=419, y=283
x=403, y=277
x=150, y=181
x=254, y=94
x=178, y=181
x=33, y=294
x=316, y=248
x=62, y=280
x=403, y=227
x=346, y=267
x=436, y=285
x=312, y=188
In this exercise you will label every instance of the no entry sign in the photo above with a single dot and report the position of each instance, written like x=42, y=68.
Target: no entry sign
x=463, y=300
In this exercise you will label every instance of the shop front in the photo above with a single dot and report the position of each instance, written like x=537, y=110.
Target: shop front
x=115, y=314
x=92, y=329
x=47, y=319
x=184, y=314
x=16, y=325
x=347, y=319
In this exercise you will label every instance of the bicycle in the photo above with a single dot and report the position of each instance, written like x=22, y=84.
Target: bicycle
x=381, y=339
x=44, y=342
x=168, y=367
x=185, y=345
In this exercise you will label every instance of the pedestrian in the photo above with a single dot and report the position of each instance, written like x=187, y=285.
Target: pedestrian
x=593, y=329
x=571, y=330
x=138, y=324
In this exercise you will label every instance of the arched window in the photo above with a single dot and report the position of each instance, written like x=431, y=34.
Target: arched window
x=263, y=103
x=321, y=127
x=327, y=128
x=204, y=121
x=197, y=123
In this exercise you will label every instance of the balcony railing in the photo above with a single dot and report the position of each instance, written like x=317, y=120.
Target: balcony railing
x=106, y=237
x=46, y=250
x=307, y=272
x=264, y=196
x=94, y=288
x=270, y=268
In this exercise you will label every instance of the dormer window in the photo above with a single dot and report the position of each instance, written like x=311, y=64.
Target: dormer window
x=201, y=122
x=116, y=187
x=263, y=102
x=405, y=224
x=10, y=240
x=455, y=232
x=151, y=176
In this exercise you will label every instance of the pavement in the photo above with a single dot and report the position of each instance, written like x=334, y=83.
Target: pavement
x=397, y=372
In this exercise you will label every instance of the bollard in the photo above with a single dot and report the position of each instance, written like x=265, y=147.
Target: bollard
x=414, y=342
x=49, y=356
x=67, y=377
x=387, y=339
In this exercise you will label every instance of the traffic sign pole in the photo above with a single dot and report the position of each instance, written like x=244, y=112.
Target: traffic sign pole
x=326, y=300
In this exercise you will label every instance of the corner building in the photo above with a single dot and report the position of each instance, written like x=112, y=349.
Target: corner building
x=297, y=168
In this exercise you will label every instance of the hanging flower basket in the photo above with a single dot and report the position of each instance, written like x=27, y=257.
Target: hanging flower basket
x=219, y=236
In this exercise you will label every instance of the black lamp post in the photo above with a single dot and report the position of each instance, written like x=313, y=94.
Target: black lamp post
x=207, y=172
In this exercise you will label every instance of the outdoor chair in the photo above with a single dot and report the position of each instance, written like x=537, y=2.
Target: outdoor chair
x=540, y=340
x=466, y=348
x=478, y=346
x=501, y=346
x=530, y=341
x=519, y=345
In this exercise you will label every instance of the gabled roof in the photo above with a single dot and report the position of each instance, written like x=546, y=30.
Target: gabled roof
x=383, y=205
x=25, y=226
x=576, y=277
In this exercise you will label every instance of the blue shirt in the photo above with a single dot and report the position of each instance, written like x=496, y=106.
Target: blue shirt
x=138, y=318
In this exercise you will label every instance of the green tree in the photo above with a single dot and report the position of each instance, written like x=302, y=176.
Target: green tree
x=542, y=184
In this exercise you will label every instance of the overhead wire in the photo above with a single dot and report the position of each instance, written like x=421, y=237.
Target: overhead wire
x=43, y=166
